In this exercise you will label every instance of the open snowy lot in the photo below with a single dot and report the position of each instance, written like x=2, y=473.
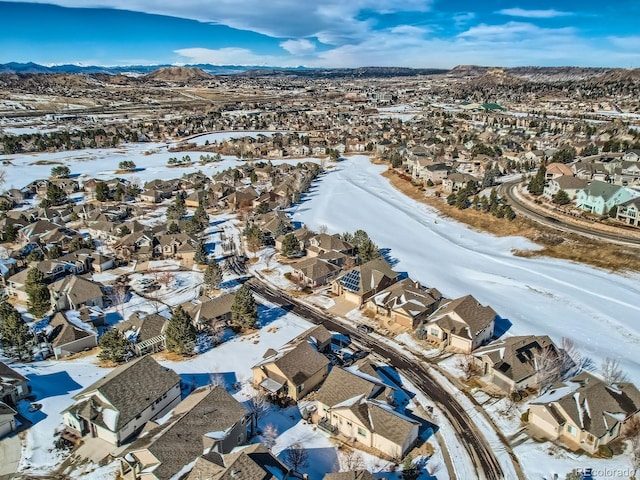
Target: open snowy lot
x=597, y=309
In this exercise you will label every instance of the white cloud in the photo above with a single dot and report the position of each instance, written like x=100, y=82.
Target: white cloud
x=301, y=46
x=331, y=21
x=524, y=13
x=233, y=56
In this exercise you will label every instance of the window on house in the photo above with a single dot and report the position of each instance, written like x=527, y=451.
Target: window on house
x=362, y=432
x=138, y=416
x=434, y=332
x=300, y=387
x=572, y=430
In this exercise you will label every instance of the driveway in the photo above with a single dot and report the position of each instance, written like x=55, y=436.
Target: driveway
x=10, y=451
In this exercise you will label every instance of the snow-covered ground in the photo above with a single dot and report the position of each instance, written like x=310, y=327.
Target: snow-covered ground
x=597, y=309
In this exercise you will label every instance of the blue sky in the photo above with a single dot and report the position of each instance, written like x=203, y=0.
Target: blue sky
x=322, y=33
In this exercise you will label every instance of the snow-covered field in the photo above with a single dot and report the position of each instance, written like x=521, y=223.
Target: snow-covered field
x=597, y=309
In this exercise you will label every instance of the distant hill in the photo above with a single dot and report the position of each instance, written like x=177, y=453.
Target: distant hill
x=177, y=75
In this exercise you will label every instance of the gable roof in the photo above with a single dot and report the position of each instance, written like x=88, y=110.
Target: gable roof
x=595, y=407
x=342, y=385
x=78, y=289
x=253, y=462
x=209, y=308
x=131, y=388
x=368, y=276
x=298, y=362
x=408, y=297
x=138, y=329
x=64, y=332
x=514, y=357
x=474, y=317
x=353, y=475
x=314, y=268
x=207, y=410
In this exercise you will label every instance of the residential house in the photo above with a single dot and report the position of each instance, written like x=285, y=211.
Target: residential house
x=208, y=420
x=116, y=407
x=66, y=337
x=515, y=363
x=323, y=243
x=73, y=292
x=253, y=462
x=364, y=281
x=319, y=337
x=209, y=312
x=599, y=197
x=585, y=413
x=590, y=170
x=406, y=303
x=436, y=172
x=375, y=424
x=15, y=285
x=629, y=212
x=555, y=170
x=146, y=333
x=7, y=419
x=462, y=324
x=303, y=235
x=314, y=272
x=13, y=386
x=181, y=246
x=458, y=181
x=292, y=371
x=570, y=184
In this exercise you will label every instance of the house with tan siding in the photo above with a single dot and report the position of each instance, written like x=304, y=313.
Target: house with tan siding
x=291, y=371
x=362, y=282
x=462, y=324
x=208, y=420
x=585, y=413
x=116, y=407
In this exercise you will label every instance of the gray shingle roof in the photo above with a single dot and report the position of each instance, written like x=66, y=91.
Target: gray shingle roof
x=342, y=385
x=179, y=441
x=474, y=316
x=133, y=387
x=253, y=462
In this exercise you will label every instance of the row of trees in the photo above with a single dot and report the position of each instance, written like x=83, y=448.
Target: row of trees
x=180, y=334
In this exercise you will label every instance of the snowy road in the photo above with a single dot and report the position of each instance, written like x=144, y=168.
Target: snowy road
x=599, y=310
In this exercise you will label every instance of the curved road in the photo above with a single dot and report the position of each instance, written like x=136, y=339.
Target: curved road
x=507, y=191
x=482, y=456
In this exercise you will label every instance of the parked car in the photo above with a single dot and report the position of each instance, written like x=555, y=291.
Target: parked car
x=359, y=354
x=364, y=328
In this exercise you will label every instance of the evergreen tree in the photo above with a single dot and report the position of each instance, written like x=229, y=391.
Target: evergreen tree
x=484, y=202
x=213, y=274
x=60, y=171
x=200, y=215
x=263, y=207
x=102, y=192
x=281, y=229
x=39, y=298
x=561, y=198
x=359, y=237
x=55, y=196
x=254, y=236
x=509, y=214
x=115, y=347
x=290, y=245
x=174, y=228
x=613, y=211
x=200, y=257
x=244, y=312
x=15, y=335
x=451, y=198
x=461, y=199
x=536, y=185
x=177, y=209
x=180, y=333
x=368, y=251
x=54, y=252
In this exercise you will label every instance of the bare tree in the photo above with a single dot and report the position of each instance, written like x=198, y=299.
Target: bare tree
x=296, y=456
x=467, y=364
x=119, y=295
x=323, y=228
x=547, y=363
x=350, y=459
x=433, y=468
x=216, y=332
x=216, y=379
x=612, y=372
x=259, y=405
x=269, y=435
x=573, y=361
x=164, y=278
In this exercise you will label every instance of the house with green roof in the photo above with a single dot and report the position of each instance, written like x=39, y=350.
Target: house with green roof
x=599, y=197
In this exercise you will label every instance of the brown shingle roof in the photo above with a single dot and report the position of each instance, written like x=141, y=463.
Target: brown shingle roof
x=474, y=317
